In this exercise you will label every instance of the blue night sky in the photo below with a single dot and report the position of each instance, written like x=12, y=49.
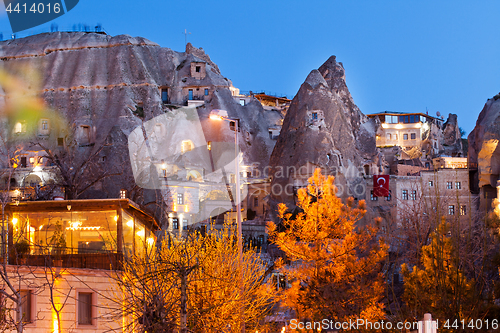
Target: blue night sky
x=403, y=55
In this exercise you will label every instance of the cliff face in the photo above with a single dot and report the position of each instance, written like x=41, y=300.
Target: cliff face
x=324, y=128
x=484, y=148
x=114, y=85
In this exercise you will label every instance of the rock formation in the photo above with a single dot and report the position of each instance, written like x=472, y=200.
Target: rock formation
x=115, y=84
x=452, y=140
x=324, y=128
x=484, y=150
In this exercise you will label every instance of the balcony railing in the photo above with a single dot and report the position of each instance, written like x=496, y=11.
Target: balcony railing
x=107, y=260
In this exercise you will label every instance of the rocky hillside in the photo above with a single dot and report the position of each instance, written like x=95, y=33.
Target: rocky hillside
x=324, y=128
x=484, y=150
x=115, y=84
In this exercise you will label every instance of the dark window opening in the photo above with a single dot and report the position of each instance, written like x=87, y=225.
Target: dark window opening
x=389, y=197
x=198, y=69
x=175, y=223
x=85, y=308
x=413, y=136
x=26, y=303
x=60, y=142
x=164, y=95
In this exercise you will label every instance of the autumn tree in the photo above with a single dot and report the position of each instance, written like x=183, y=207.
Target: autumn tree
x=439, y=286
x=191, y=284
x=334, y=263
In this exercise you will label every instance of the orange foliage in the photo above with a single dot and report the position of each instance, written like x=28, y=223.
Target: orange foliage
x=335, y=264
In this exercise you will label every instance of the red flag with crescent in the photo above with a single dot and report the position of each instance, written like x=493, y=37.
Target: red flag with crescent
x=381, y=185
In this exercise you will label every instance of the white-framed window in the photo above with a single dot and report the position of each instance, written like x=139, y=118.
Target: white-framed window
x=449, y=185
x=85, y=308
x=43, y=126
x=180, y=198
x=451, y=210
x=405, y=195
x=175, y=223
x=388, y=136
x=395, y=136
x=315, y=116
x=27, y=306
x=458, y=185
x=20, y=127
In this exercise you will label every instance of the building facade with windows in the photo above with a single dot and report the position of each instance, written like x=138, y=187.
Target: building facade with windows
x=409, y=130
x=65, y=256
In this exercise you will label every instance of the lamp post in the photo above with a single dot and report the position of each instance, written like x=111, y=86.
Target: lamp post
x=222, y=115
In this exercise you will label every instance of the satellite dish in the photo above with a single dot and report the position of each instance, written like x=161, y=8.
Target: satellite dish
x=438, y=114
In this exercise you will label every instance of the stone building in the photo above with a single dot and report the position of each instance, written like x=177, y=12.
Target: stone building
x=63, y=256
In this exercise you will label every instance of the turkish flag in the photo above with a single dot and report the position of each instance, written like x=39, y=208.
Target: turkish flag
x=381, y=185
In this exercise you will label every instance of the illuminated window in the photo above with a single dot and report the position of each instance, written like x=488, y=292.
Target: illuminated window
x=463, y=210
x=85, y=308
x=20, y=127
x=187, y=145
x=123, y=194
x=180, y=198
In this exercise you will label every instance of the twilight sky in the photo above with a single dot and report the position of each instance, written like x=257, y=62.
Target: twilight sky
x=401, y=55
